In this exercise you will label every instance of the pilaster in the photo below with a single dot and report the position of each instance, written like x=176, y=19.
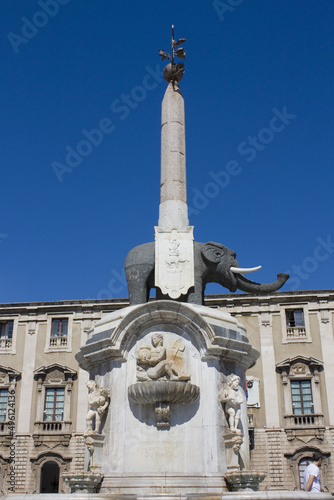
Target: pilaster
x=327, y=347
x=83, y=377
x=26, y=396
x=269, y=374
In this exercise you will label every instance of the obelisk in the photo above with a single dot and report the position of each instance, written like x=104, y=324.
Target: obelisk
x=173, y=210
x=174, y=253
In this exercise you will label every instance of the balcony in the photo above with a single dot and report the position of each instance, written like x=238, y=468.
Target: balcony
x=296, y=332
x=56, y=342
x=311, y=425
x=54, y=426
x=52, y=431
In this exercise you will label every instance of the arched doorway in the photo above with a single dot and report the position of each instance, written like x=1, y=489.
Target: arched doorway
x=49, y=478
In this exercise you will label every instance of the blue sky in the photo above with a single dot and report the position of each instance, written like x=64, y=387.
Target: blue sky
x=258, y=92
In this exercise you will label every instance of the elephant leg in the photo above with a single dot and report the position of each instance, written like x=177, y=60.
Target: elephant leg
x=196, y=294
x=138, y=278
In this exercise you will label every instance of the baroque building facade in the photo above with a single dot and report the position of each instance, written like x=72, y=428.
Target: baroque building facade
x=43, y=393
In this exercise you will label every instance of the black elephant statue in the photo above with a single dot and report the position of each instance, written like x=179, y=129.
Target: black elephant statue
x=213, y=263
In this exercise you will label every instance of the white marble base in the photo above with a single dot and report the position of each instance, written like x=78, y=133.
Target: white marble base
x=189, y=456
x=166, y=485
x=252, y=495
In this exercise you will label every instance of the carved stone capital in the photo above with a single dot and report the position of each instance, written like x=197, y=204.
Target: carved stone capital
x=83, y=482
x=244, y=480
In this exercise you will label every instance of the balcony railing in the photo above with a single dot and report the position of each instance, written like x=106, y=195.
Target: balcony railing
x=58, y=342
x=52, y=427
x=5, y=343
x=304, y=420
x=295, y=332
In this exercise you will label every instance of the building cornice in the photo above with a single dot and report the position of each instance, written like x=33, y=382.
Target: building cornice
x=219, y=300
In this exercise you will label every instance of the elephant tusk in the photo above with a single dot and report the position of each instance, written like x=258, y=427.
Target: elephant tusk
x=242, y=270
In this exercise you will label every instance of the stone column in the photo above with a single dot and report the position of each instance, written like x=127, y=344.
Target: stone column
x=173, y=211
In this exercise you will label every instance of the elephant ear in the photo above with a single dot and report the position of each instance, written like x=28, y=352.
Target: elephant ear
x=213, y=252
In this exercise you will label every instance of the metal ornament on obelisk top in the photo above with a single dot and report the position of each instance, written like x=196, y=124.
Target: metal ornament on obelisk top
x=174, y=249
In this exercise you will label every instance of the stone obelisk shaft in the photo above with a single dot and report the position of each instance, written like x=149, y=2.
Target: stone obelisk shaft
x=174, y=252
x=173, y=211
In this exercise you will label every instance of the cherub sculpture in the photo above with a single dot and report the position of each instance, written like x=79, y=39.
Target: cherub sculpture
x=232, y=398
x=98, y=399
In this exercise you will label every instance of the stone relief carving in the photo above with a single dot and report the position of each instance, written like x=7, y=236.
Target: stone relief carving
x=154, y=363
x=173, y=261
x=98, y=399
x=300, y=369
x=232, y=399
x=55, y=375
x=161, y=379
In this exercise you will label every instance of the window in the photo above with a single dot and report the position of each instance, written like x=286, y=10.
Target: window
x=54, y=404
x=6, y=333
x=59, y=333
x=3, y=404
x=59, y=329
x=295, y=324
x=8, y=380
x=295, y=317
x=301, y=394
x=6, y=330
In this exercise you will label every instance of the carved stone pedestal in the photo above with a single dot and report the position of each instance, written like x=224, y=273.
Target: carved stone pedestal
x=94, y=443
x=165, y=364
x=83, y=482
x=233, y=442
x=244, y=480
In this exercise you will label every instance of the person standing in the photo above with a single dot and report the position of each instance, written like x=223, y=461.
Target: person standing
x=312, y=474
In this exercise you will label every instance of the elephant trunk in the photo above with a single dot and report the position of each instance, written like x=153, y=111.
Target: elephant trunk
x=249, y=286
